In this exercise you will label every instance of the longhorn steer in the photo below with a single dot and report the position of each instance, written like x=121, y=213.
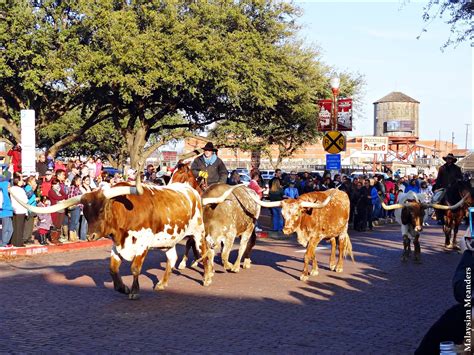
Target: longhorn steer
x=159, y=217
x=316, y=216
x=409, y=214
x=225, y=221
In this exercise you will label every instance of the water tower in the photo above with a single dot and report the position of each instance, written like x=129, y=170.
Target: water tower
x=396, y=115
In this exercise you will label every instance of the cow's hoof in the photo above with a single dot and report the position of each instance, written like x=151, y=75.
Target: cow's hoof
x=133, y=296
x=314, y=272
x=207, y=283
x=404, y=257
x=194, y=265
x=417, y=260
x=448, y=246
x=247, y=264
x=235, y=269
x=332, y=267
x=339, y=269
x=182, y=265
x=304, y=277
x=160, y=287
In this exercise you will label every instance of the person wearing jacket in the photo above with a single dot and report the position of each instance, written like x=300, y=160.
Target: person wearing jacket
x=30, y=189
x=6, y=212
x=15, y=154
x=19, y=212
x=211, y=165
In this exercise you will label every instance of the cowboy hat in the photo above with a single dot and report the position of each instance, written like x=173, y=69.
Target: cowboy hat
x=209, y=146
x=450, y=156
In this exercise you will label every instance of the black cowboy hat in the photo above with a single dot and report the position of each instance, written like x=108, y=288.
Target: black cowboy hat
x=209, y=146
x=450, y=156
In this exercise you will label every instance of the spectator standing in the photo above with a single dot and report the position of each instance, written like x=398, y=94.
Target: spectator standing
x=41, y=166
x=92, y=167
x=30, y=190
x=254, y=185
x=85, y=188
x=15, y=154
x=44, y=222
x=59, y=165
x=46, y=184
x=55, y=195
x=98, y=167
x=6, y=211
x=19, y=212
x=50, y=161
x=291, y=191
x=276, y=194
x=75, y=211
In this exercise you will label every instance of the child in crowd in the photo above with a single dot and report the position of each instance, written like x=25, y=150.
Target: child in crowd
x=44, y=222
x=291, y=191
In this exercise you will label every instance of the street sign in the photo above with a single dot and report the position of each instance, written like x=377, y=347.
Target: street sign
x=375, y=145
x=333, y=162
x=344, y=115
x=334, y=142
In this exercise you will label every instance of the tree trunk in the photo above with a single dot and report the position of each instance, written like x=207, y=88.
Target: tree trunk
x=255, y=157
x=135, y=144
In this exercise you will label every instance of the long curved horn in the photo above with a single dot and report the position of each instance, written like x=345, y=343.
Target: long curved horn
x=50, y=209
x=318, y=204
x=120, y=191
x=392, y=207
x=446, y=207
x=268, y=204
x=211, y=200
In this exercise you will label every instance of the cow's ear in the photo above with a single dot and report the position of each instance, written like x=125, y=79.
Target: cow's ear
x=405, y=215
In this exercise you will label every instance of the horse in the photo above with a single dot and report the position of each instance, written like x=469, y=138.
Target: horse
x=453, y=218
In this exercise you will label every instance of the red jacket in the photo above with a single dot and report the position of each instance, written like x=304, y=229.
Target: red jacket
x=16, y=159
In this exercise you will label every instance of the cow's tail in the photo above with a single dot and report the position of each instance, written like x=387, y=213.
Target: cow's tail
x=348, y=247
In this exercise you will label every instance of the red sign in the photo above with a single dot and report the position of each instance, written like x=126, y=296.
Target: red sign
x=169, y=156
x=344, y=115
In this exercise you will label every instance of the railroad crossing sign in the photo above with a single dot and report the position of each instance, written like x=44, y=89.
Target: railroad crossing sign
x=334, y=142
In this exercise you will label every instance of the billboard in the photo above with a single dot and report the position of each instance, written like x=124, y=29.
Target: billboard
x=375, y=145
x=344, y=115
x=399, y=126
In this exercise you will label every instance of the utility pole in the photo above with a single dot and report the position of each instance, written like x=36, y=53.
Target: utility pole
x=467, y=133
x=452, y=140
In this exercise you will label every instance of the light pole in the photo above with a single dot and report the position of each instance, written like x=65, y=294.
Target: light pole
x=334, y=81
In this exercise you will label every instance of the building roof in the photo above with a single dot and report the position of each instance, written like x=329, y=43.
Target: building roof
x=396, y=96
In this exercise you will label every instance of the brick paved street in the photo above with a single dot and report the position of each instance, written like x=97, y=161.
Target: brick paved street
x=65, y=302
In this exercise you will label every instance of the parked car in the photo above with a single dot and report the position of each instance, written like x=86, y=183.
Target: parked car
x=243, y=170
x=111, y=171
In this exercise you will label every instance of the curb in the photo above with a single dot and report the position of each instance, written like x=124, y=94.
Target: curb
x=50, y=249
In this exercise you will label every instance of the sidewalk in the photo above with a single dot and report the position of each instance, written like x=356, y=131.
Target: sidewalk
x=36, y=249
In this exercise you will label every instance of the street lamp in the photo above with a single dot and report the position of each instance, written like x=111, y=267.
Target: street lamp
x=334, y=81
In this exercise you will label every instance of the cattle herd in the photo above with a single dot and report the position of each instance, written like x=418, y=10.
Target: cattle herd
x=143, y=216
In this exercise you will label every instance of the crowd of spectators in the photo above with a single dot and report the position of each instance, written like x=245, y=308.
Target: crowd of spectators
x=56, y=180
x=365, y=193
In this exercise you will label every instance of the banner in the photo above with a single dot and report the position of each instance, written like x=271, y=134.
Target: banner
x=344, y=115
x=375, y=145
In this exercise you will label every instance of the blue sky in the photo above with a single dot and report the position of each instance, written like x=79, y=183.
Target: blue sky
x=378, y=39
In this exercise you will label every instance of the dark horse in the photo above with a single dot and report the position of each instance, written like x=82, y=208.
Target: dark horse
x=453, y=218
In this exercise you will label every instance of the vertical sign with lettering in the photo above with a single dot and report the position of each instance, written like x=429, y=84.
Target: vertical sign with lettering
x=28, y=142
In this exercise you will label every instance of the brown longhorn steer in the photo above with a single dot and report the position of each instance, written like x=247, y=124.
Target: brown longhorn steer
x=452, y=220
x=409, y=214
x=139, y=218
x=316, y=216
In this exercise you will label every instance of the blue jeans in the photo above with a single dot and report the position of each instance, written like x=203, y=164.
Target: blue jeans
x=83, y=231
x=377, y=211
x=7, y=230
x=74, y=220
x=277, y=219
